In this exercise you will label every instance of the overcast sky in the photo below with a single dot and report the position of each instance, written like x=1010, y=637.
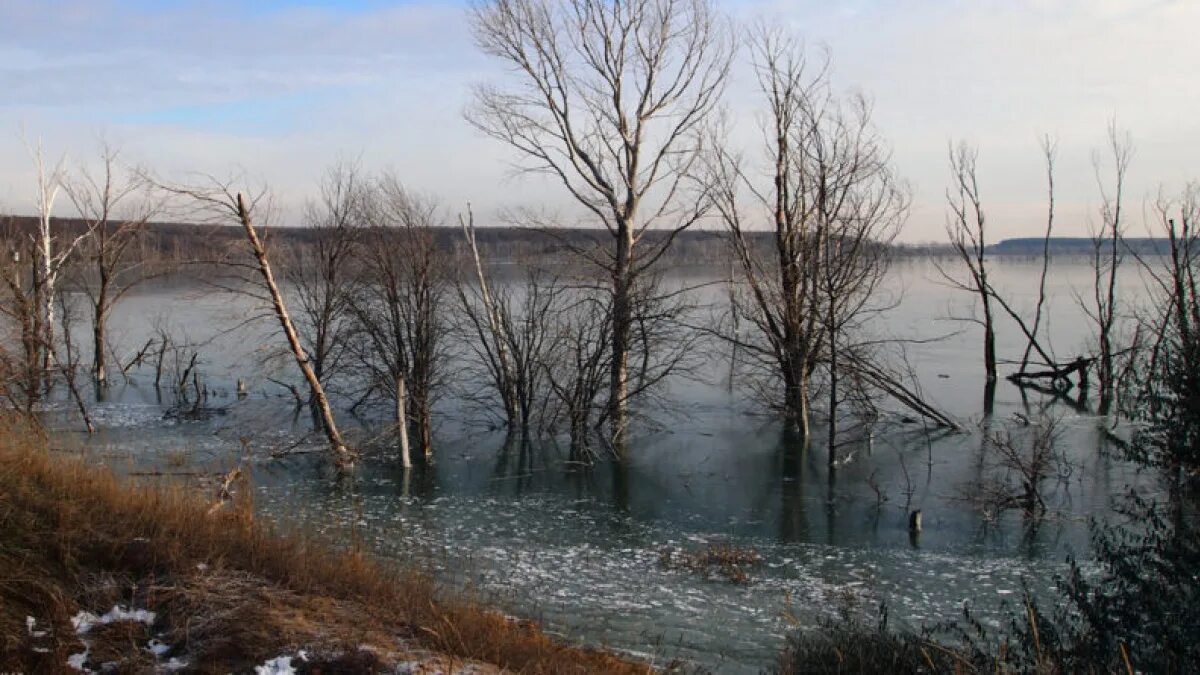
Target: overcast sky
x=282, y=90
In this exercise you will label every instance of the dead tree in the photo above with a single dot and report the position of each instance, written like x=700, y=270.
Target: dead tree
x=833, y=204
x=319, y=271
x=1049, y=151
x=577, y=364
x=67, y=364
x=112, y=224
x=484, y=314
x=609, y=99
x=24, y=381
x=342, y=454
x=399, y=306
x=1172, y=390
x=49, y=255
x=1107, y=256
x=511, y=332
x=220, y=203
x=967, y=229
x=968, y=236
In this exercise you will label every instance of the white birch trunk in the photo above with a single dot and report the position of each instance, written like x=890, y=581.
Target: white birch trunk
x=342, y=454
x=402, y=421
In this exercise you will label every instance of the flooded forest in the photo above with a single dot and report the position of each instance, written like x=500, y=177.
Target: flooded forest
x=716, y=418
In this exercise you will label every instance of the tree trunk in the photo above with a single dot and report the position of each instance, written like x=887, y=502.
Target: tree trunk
x=796, y=394
x=622, y=325
x=402, y=421
x=99, y=346
x=989, y=338
x=342, y=454
x=47, y=291
x=425, y=427
x=513, y=408
x=833, y=400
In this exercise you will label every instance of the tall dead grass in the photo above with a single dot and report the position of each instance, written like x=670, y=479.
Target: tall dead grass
x=230, y=592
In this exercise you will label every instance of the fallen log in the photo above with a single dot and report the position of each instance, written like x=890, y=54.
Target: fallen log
x=1057, y=373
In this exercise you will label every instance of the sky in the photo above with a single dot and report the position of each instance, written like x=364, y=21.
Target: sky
x=279, y=90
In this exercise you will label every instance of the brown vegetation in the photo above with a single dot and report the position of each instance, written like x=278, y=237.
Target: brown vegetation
x=228, y=592
x=726, y=560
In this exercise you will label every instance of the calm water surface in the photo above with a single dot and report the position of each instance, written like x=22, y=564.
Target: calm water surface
x=579, y=549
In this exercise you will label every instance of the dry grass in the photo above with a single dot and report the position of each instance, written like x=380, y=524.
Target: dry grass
x=724, y=560
x=229, y=592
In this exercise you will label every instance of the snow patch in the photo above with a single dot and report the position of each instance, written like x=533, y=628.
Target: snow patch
x=31, y=625
x=76, y=661
x=280, y=665
x=85, y=621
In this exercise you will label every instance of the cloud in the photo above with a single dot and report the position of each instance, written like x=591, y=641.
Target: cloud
x=285, y=88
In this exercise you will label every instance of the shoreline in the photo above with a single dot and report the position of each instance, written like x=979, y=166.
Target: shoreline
x=98, y=572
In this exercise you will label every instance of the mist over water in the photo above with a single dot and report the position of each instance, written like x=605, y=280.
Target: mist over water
x=578, y=549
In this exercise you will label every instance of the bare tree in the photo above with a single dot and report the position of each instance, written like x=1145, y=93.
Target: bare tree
x=1107, y=256
x=319, y=272
x=967, y=229
x=113, y=224
x=1019, y=462
x=219, y=202
x=67, y=361
x=22, y=308
x=512, y=333
x=1173, y=320
x=50, y=256
x=577, y=367
x=1049, y=152
x=399, y=307
x=833, y=204
x=609, y=99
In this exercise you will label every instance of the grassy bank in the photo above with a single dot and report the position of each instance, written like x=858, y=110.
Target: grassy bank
x=218, y=591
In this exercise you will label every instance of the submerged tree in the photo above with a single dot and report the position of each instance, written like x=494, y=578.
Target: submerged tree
x=968, y=235
x=50, y=257
x=399, y=307
x=833, y=204
x=320, y=272
x=20, y=304
x=219, y=202
x=967, y=229
x=114, y=219
x=511, y=331
x=1107, y=256
x=609, y=99
x=578, y=366
x=1173, y=318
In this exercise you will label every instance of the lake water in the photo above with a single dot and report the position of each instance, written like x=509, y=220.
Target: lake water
x=579, y=550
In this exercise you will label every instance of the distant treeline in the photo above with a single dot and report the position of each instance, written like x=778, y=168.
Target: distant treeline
x=1033, y=246
x=191, y=241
